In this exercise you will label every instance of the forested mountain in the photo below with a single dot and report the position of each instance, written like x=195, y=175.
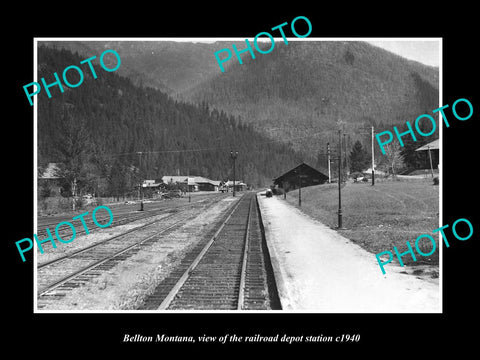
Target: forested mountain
x=300, y=93
x=308, y=90
x=169, y=66
x=169, y=109
x=109, y=133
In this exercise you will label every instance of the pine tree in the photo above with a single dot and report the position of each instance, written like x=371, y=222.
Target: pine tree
x=97, y=129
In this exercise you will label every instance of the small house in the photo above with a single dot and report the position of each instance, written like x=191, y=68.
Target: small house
x=195, y=183
x=50, y=178
x=239, y=185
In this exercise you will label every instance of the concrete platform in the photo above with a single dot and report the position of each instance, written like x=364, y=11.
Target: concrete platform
x=318, y=270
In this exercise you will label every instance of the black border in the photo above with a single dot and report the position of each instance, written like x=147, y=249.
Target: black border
x=391, y=332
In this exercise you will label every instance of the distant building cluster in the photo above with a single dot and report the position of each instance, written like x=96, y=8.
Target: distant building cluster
x=52, y=176
x=199, y=183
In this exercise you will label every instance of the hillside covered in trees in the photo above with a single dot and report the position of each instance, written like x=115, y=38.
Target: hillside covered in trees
x=309, y=89
x=108, y=133
x=299, y=94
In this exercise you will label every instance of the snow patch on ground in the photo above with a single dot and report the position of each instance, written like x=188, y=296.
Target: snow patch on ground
x=319, y=270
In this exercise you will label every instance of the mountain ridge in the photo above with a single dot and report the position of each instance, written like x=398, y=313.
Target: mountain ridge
x=300, y=93
x=109, y=134
x=312, y=87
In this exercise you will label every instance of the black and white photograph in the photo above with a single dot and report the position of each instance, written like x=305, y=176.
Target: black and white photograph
x=261, y=187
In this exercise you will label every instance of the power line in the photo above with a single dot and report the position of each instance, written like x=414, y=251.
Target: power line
x=211, y=148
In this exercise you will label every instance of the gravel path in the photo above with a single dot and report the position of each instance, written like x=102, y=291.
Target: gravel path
x=125, y=286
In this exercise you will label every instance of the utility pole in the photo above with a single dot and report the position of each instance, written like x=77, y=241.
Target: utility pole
x=373, y=151
x=234, y=157
x=328, y=159
x=74, y=192
x=339, y=180
x=299, y=186
x=373, y=157
x=346, y=156
x=140, y=190
x=430, y=157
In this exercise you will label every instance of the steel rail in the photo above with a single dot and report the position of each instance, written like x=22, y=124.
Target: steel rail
x=105, y=259
x=243, y=273
x=178, y=285
x=76, y=252
x=130, y=215
x=158, y=212
x=77, y=273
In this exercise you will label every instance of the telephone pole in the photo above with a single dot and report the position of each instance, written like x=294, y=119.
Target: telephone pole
x=373, y=151
x=328, y=159
x=234, y=155
x=299, y=187
x=373, y=157
x=339, y=180
x=140, y=190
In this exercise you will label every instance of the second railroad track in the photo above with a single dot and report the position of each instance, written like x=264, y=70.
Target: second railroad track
x=229, y=270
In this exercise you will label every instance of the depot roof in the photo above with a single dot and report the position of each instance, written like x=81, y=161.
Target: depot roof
x=305, y=171
x=434, y=145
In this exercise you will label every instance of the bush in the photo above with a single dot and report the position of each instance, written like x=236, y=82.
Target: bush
x=79, y=202
x=63, y=204
x=45, y=191
x=42, y=205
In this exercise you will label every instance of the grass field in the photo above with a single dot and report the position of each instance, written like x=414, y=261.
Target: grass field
x=378, y=217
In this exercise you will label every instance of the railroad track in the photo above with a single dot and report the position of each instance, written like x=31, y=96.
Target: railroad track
x=229, y=270
x=119, y=219
x=59, y=276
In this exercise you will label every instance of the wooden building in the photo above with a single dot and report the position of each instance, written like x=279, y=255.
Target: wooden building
x=50, y=178
x=239, y=185
x=194, y=183
x=204, y=184
x=302, y=174
x=432, y=149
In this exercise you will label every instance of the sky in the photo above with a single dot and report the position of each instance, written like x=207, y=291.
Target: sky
x=423, y=50
x=426, y=51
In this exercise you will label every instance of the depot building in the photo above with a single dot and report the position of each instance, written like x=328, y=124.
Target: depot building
x=301, y=175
